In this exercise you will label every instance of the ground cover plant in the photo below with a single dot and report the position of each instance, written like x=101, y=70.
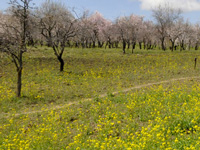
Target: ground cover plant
x=163, y=116
x=152, y=118
x=97, y=98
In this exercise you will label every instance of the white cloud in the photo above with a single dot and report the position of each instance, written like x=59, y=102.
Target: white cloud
x=184, y=5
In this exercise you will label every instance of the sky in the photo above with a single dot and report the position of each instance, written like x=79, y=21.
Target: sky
x=111, y=9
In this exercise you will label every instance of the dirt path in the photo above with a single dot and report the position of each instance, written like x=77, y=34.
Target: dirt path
x=100, y=96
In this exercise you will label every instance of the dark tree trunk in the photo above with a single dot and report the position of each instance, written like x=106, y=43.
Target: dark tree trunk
x=124, y=46
x=150, y=46
x=90, y=45
x=175, y=47
x=133, y=46
x=93, y=44
x=19, y=82
x=140, y=45
x=77, y=44
x=172, y=48
x=189, y=45
x=113, y=45
x=163, y=44
x=182, y=45
x=128, y=44
x=83, y=45
x=144, y=44
x=19, y=74
x=100, y=44
x=48, y=44
x=196, y=46
x=86, y=44
x=109, y=43
x=61, y=63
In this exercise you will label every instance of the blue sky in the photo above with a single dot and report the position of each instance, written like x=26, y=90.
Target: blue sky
x=112, y=9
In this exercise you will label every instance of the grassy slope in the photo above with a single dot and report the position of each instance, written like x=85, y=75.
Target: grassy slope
x=149, y=118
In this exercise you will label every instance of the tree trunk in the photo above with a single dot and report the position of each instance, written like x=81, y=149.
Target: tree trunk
x=86, y=44
x=133, y=46
x=109, y=43
x=182, y=45
x=93, y=44
x=100, y=44
x=49, y=43
x=172, y=45
x=19, y=82
x=61, y=63
x=163, y=44
x=128, y=43
x=76, y=44
x=150, y=46
x=113, y=45
x=175, y=47
x=116, y=44
x=144, y=44
x=189, y=45
x=19, y=74
x=41, y=43
x=83, y=45
x=124, y=46
x=196, y=46
x=68, y=44
x=154, y=46
x=140, y=45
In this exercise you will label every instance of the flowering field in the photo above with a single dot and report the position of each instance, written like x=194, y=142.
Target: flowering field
x=163, y=116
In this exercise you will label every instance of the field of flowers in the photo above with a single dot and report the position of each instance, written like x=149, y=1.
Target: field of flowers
x=165, y=116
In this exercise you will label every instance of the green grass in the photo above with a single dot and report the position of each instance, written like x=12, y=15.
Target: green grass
x=155, y=117
x=88, y=73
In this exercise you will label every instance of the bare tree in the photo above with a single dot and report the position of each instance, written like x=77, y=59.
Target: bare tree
x=195, y=35
x=57, y=25
x=148, y=34
x=14, y=29
x=83, y=34
x=184, y=37
x=175, y=31
x=123, y=28
x=165, y=16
